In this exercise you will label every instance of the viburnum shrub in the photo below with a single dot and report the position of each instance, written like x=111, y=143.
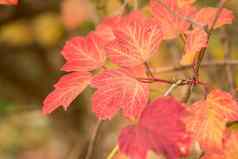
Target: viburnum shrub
x=166, y=125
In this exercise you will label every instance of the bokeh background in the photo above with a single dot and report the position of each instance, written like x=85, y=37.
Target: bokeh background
x=32, y=35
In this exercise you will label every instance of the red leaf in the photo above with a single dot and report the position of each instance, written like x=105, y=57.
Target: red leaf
x=208, y=119
x=9, y=2
x=117, y=89
x=168, y=15
x=196, y=40
x=84, y=54
x=160, y=128
x=104, y=29
x=66, y=90
x=207, y=15
x=135, y=42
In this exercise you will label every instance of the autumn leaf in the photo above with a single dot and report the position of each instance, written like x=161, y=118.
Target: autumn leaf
x=135, y=42
x=117, y=89
x=160, y=129
x=206, y=16
x=84, y=53
x=66, y=90
x=230, y=150
x=195, y=41
x=104, y=29
x=208, y=118
x=9, y=2
x=169, y=15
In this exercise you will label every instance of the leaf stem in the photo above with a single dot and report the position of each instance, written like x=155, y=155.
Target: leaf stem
x=203, y=51
x=113, y=152
x=172, y=87
x=93, y=139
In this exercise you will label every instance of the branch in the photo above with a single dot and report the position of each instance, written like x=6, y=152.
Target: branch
x=203, y=51
x=204, y=65
x=172, y=87
x=93, y=139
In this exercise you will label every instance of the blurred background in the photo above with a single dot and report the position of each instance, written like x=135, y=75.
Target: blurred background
x=32, y=35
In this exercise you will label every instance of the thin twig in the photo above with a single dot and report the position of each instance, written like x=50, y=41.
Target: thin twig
x=172, y=87
x=93, y=139
x=113, y=152
x=203, y=51
x=148, y=70
x=121, y=9
x=203, y=65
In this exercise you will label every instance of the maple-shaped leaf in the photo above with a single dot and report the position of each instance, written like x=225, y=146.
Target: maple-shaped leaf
x=208, y=118
x=196, y=40
x=66, y=90
x=9, y=2
x=104, y=29
x=230, y=150
x=206, y=16
x=169, y=15
x=160, y=129
x=84, y=53
x=117, y=89
x=136, y=40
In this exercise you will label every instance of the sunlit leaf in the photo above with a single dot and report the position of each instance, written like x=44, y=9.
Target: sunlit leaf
x=83, y=53
x=66, y=90
x=117, y=89
x=135, y=42
x=208, y=118
x=196, y=40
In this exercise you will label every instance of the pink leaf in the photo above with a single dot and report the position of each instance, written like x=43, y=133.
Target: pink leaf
x=104, y=29
x=160, y=128
x=169, y=16
x=196, y=40
x=116, y=89
x=84, y=54
x=207, y=15
x=136, y=40
x=66, y=90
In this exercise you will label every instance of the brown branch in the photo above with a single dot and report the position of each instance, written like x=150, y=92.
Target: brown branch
x=93, y=139
x=203, y=51
x=203, y=65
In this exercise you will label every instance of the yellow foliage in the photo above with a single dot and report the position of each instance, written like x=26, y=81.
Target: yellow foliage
x=16, y=33
x=47, y=29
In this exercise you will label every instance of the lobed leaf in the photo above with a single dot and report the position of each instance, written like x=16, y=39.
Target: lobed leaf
x=66, y=90
x=135, y=42
x=84, y=54
x=206, y=16
x=195, y=41
x=117, y=89
x=230, y=150
x=160, y=129
x=208, y=118
x=169, y=16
